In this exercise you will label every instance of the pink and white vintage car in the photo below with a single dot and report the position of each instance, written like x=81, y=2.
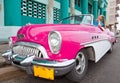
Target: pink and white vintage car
x=50, y=50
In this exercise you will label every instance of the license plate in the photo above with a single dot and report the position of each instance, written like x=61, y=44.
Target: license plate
x=43, y=72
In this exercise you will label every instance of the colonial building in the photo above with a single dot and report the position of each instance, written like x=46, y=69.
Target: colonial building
x=112, y=14
x=21, y=12
x=118, y=14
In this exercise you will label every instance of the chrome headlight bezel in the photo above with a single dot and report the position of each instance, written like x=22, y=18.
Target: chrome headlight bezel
x=55, y=40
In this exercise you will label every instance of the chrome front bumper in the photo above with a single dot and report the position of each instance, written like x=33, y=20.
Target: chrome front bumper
x=60, y=67
x=8, y=56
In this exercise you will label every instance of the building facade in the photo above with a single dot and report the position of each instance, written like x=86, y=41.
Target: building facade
x=112, y=15
x=111, y=12
x=21, y=12
x=118, y=14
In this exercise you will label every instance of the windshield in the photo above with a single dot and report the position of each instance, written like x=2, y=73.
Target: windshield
x=78, y=19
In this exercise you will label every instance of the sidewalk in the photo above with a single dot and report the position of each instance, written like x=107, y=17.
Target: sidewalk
x=8, y=71
x=3, y=48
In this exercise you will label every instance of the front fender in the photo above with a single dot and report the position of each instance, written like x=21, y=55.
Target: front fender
x=70, y=46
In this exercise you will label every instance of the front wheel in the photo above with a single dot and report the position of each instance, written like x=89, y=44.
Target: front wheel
x=80, y=68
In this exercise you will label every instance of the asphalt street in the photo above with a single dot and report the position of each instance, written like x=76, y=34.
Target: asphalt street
x=107, y=70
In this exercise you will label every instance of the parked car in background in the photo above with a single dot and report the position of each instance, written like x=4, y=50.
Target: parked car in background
x=50, y=50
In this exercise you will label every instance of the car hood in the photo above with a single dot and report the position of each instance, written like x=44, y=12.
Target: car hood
x=39, y=32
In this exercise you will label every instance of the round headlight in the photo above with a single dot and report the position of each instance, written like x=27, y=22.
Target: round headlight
x=55, y=41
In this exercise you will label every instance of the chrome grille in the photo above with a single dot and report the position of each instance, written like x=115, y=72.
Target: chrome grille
x=27, y=51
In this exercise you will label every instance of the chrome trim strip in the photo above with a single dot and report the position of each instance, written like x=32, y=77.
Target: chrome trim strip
x=13, y=56
x=93, y=41
x=7, y=53
x=27, y=60
x=40, y=47
x=57, y=64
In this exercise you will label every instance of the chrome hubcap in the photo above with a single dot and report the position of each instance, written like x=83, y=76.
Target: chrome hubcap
x=80, y=63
